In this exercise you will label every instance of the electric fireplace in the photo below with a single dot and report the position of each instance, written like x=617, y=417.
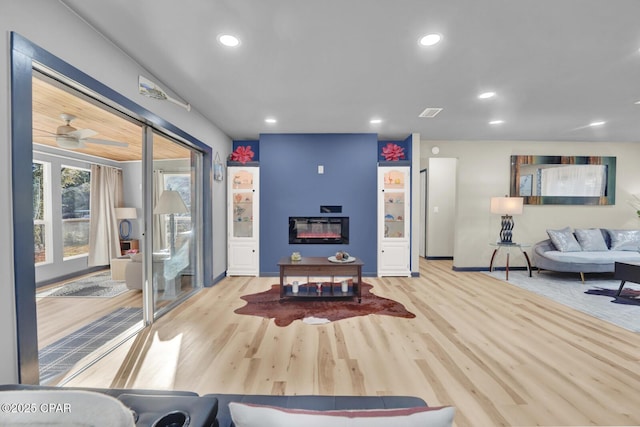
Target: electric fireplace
x=318, y=230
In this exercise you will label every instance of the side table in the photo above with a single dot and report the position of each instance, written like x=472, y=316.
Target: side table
x=127, y=245
x=118, y=266
x=508, y=247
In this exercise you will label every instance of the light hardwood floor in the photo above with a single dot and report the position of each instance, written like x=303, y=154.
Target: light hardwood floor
x=500, y=355
x=58, y=317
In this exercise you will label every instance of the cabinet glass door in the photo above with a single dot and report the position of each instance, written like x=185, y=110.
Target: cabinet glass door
x=394, y=204
x=242, y=187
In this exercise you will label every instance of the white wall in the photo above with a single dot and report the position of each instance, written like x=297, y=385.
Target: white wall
x=484, y=172
x=53, y=27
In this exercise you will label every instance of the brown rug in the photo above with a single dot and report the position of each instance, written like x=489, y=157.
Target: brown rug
x=267, y=304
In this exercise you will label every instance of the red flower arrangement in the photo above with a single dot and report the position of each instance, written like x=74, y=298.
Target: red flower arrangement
x=242, y=154
x=392, y=152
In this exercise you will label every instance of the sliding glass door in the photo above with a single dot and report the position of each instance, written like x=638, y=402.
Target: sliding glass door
x=44, y=148
x=176, y=237
x=85, y=307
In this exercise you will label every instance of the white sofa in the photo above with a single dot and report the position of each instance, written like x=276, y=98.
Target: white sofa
x=582, y=251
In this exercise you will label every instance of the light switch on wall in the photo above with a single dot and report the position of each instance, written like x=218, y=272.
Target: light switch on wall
x=436, y=209
x=321, y=169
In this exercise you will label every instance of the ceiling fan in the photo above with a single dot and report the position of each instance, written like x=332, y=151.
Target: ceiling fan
x=69, y=137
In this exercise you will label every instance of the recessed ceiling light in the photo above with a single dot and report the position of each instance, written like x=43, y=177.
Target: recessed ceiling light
x=598, y=123
x=228, y=40
x=496, y=122
x=270, y=120
x=375, y=121
x=637, y=102
x=486, y=95
x=430, y=39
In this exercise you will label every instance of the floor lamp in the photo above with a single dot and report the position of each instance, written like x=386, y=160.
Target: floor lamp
x=171, y=203
x=507, y=207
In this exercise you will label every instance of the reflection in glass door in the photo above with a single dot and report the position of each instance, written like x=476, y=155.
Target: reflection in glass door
x=176, y=225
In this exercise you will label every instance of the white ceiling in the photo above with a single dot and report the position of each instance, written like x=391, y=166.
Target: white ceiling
x=332, y=65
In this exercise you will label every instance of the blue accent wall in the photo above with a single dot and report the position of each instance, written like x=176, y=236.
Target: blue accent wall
x=291, y=186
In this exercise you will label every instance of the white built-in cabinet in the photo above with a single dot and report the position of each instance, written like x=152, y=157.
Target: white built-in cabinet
x=394, y=244
x=243, y=221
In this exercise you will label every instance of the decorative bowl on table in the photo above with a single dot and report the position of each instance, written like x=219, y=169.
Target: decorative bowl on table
x=342, y=256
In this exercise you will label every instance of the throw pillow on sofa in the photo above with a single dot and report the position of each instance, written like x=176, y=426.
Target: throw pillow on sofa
x=624, y=240
x=564, y=240
x=251, y=415
x=591, y=239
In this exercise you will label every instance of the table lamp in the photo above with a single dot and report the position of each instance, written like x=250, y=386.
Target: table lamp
x=124, y=215
x=506, y=206
x=171, y=203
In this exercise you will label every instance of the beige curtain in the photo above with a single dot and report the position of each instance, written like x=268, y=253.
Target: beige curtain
x=106, y=195
x=159, y=221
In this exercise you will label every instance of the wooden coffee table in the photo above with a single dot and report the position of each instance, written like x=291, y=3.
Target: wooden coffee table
x=320, y=266
x=626, y=272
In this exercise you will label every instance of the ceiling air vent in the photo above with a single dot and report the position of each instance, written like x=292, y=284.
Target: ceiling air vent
x=430, y=112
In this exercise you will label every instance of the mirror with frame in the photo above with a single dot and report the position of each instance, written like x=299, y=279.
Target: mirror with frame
x=564, y=180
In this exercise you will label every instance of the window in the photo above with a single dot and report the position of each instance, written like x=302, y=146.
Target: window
x=41, y=212
x=76, y=185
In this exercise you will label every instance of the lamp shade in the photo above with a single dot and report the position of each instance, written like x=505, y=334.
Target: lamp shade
x=507, y=205
x=170, y=203
x=126, y=213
